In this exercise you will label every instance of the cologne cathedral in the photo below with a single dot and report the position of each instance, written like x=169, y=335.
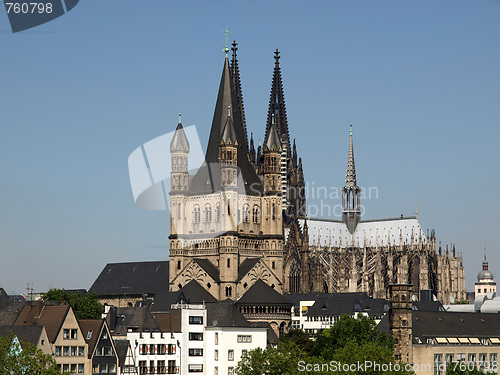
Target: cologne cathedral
x=241, y=218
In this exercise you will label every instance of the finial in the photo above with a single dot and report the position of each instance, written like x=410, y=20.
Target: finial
x=226, y=48
x=350, y=130
x=228, y=111
x=272, y=118
x=234, y=46
x=277, y=56
x=180, y=114
x=416, y=210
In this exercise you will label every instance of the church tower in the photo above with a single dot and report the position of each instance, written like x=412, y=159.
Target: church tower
x=400, y=321
x=351, y=214
x=272, y=162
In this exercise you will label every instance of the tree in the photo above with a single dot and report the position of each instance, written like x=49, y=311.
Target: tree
x=339, y=349
x=464, y=368
x=84, y=307
x=27, y=360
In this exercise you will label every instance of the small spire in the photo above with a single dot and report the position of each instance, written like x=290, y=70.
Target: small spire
x=416, y=210
x=180, y=116
x=277, y=56
x=226, y=48
x=351, y=169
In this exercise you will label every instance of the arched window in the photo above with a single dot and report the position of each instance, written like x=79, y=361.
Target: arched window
x=245, y=213
x=208, y=213
x=229, y=291
x=255, y=214
x=294, y=278
x=273, y=265
x=217, y=212
x=274, y=211
x=179, y=211
x=196, y=214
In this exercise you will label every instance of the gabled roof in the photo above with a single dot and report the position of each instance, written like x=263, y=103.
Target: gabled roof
x=10, y=310
x=29, y=333
x=428, y=306
x=134, y=278
x=164, y=300
x=208, y=267
x=452, y=324
x=195, y=293
x=139, y=319
x=260, y=292
x=4, y=298
x=225, y=314
x=246, y=266
x=335, y=306
x=51, y=317
x=91, y=330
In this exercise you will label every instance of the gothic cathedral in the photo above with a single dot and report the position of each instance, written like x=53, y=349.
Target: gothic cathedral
x=242, y=218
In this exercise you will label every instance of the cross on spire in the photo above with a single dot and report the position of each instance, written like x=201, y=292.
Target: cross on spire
x=226, y=48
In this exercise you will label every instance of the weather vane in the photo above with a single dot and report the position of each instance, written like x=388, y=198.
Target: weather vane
x=226, y=48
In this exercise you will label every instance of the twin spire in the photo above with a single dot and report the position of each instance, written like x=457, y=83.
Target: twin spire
x=351, y=168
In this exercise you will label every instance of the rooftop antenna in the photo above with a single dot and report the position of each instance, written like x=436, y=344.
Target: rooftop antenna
x=416, y=210
x=226, y=48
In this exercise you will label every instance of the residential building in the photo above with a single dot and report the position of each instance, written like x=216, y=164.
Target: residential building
x=68, y=345
x=101, y=347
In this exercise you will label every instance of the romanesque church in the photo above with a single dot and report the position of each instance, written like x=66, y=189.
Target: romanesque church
x=242, y=218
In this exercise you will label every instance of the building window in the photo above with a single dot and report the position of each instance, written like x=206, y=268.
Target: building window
x=161, y=367
x=217, y=212
x=196, y=214
x=230, y=355
x=229, y=263
x=244, y=338
x=208, y=213
x=273, y=265
x=73, y=351
x=81, y=368
x=104, y=336
x=74, y=333
x=196, y=352
x=58, y=351
x=142, y=367
x=178, y=264
x=255, y=215
x=493, y=361
x=66, y=367
x=216, y=338
x=95, y=368
x=66, y=351
x=483, y=357
x=472, y=358
x=100, y=351
x=81, y=351
x=103, y=368
x=195, y=320
x=161, y=349
x=216, y=355
x=461, y=357
x=195, y=368
x=438, y=364
x=245, y=213
x=229, y=291
x=152, y=349
x=243, y=352
x=216, y=370
x=66, y=334
x=195, y=336
x=274, y=211
x=448, y=358
x=230, y=371
x=73, y=368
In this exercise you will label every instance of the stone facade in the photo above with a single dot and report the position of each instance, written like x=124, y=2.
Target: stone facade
x=242, y=217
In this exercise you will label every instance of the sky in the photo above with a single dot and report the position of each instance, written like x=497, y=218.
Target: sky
x=418, y=80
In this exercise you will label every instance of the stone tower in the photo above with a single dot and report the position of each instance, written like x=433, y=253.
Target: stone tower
x=400, y=321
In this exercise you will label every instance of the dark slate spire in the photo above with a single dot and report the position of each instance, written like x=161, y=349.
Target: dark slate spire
x=179, y=141
x=277, y=105
x=272, y=142
x=252, y=150
x=205, y=181
x=235, y=76
x=228, y=134
x=351, y=168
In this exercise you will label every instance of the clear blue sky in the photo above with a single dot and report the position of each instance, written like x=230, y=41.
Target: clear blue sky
x=419, y=81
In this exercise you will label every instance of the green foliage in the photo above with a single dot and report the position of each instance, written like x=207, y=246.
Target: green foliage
x=28, y=361
x=361, y=330
x=349, y=341
x=462, y=302
x=84, y=307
